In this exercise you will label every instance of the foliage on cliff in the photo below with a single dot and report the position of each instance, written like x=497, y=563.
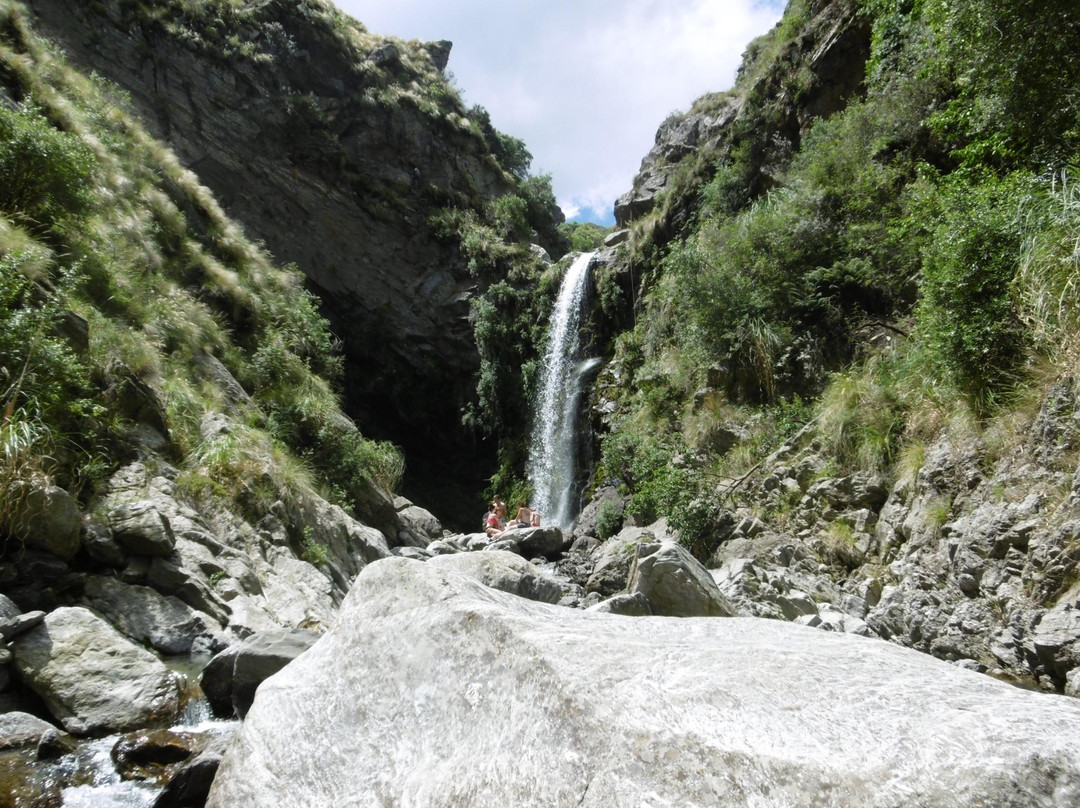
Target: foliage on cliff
x=932, y=215
x=132, y=309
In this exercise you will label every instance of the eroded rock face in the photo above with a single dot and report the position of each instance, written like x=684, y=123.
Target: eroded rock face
x=92, y=679
x=329, y=177
x=612, y=710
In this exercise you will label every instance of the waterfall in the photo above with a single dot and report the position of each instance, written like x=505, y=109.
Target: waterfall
x=554, y=440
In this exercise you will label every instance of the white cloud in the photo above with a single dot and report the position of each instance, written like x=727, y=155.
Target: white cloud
x=585, y=83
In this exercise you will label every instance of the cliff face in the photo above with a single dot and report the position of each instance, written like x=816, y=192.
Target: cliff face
x=332, y=146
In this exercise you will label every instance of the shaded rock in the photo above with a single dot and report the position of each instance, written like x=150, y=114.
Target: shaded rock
x=53, y=745
x=546, y=541
x=635, y=605
x=141, y=529
x=46, y=518
x=675, y=583
x=92, y=679
x=740, y=723
x=190, y=785
x=14, y=626
x=611, y=565
x=163, y=622
x=98, y=543
x=417, y=527
x=587, y=519
x=504, y=571
x=231, y=678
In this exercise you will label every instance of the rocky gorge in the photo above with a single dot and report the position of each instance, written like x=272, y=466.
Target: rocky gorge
x=764, y=600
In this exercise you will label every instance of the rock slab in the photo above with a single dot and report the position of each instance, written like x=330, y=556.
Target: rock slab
x=434, y=690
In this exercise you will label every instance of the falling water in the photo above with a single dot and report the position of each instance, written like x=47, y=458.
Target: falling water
x=554, y=446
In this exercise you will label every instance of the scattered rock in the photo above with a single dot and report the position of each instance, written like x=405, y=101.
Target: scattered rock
x=22, y=729
x=163, y=622
x=190, y=785
x=46, y=518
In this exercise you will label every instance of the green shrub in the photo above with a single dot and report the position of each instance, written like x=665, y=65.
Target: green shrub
x=608, y=519
x=966, y=318
x=44, y=172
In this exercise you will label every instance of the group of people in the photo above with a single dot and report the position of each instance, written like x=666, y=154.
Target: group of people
x=495, y=523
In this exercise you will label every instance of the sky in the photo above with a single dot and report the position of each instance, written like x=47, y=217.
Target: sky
x=585, y=83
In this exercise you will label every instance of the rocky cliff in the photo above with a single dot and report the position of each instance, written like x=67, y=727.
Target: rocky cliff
x=859, y=425
x=332, y=146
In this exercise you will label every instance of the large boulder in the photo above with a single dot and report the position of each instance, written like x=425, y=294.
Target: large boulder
x=92, y=679
x=434, y=690
x=675, y=583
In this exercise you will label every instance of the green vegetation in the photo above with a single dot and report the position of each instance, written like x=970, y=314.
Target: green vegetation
x=113, y=310
x=936, y=214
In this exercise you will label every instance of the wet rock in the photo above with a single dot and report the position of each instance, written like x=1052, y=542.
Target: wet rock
x=154, y=754
x=53, y=745
x=675, y=583
x=504, y=571
x=587, y=730
x=92, y=679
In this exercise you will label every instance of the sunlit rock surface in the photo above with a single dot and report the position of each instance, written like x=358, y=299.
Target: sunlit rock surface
x=433, y=690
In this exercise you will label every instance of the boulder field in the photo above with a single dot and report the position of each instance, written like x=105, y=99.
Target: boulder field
x=432, y=689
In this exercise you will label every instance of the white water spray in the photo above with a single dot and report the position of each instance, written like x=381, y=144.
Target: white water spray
x=554, y=439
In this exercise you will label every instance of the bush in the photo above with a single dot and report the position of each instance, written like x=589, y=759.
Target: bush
x=966, y=318
x=608, y=519
x=44, y=173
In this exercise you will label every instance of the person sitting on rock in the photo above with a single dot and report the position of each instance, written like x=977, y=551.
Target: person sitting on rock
x=523, y=517
x=495, y=521
x=534, y=518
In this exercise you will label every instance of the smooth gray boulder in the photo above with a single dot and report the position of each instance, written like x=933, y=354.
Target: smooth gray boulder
x=675, y=583
x=434, y=690
x=92, y=678
x=161, y=621
x=505, y=571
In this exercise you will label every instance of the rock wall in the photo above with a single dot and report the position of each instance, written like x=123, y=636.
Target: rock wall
x=319, y=162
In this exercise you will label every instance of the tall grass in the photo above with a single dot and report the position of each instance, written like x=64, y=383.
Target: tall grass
x=1047, y=283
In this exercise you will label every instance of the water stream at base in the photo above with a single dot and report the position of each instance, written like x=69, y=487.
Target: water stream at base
x=553, y=450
